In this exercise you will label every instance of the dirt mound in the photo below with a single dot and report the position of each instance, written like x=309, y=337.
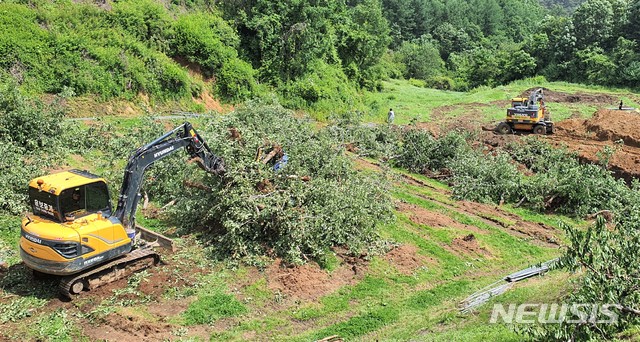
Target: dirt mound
x=121, y=328
x=551, y=96
x=468, y=244
x=309, y=281
x=615, y=125
x=407, y=260
x=616, y=129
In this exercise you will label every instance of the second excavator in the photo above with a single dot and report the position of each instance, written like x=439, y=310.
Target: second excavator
x=73, y=232
x=527, y=115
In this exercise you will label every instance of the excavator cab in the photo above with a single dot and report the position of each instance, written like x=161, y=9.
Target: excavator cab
x=71, y=203
x=71, y=227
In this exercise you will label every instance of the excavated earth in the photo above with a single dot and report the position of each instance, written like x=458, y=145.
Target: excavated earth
x=618, y=129
x=588, y=138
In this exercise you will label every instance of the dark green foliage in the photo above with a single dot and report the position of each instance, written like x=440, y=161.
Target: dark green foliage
x=323, y=87
x=286, y=41
x=363, y=40
x=204, y=39
x=492, y=67
x=593, y=21
x=119, y=53
x=30, y=133
x=566, y=6
x=235, y=80
x=421, y=59
x=146, y=20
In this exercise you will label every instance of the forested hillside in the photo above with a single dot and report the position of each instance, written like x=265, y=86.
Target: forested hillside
x=568, y=6
x=315, y=55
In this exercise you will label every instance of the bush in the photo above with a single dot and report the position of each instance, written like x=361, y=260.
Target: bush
x=440, y=82
x=30, y=141
x=323, y=84
x=378, y=141
x=485, y=177
x=205, y=39
x=421, y=152
x=235, y=81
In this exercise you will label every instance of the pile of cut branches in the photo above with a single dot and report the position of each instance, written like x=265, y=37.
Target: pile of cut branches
x=289, y=189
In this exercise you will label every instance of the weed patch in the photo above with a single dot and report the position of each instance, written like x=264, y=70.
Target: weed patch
x=210, y=308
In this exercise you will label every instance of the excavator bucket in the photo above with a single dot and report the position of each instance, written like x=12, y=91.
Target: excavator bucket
x=155, y=238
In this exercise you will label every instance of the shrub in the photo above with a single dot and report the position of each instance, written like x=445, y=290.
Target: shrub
x=322, y=83
x=30, y=140
x=205, y=39
x=235, y=81
x=440, y=82
x=485, y=177
x=421, y=152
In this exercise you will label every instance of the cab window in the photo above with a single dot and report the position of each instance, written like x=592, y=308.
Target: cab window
x=98, y=198
x=83, y=200
x=44, y=204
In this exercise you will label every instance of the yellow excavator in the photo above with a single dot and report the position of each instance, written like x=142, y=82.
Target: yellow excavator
x=73, y=232
x=527, y=115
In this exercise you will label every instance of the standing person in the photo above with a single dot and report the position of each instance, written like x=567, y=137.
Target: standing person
x=390, y=116
x=620, y=105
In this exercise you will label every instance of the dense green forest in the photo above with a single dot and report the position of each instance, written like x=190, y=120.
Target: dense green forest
x=314, y=54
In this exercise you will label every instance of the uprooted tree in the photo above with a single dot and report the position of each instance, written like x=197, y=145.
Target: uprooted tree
x=297, y=210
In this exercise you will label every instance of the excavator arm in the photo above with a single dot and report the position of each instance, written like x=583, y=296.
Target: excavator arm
x=182, y=136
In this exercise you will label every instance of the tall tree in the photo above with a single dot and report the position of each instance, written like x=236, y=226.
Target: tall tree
x=364, y=39
x=631, y=27
x=593, y=21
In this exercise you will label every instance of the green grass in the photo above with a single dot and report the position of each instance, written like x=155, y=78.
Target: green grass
x=209, y=308
x=361, y=324
x=56, y=326
x=9, y=239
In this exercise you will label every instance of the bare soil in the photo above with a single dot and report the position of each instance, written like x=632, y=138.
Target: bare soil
x=407, y=260
x=620, y=130
x=468, y=244
x=309, y=281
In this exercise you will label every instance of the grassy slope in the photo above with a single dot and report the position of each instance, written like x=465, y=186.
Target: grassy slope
x=411, y=102
x=385, y=304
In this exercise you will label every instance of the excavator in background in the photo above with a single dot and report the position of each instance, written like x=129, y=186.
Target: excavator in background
x=527, y=115
x=73, y=232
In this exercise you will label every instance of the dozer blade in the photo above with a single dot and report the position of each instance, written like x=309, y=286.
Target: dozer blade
x=156, y=238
